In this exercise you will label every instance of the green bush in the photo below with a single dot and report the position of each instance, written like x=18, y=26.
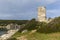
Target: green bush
x=53, y=26
x=42, y=27
x=30, y=25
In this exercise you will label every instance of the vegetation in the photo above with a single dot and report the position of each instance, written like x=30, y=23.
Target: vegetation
x=51, y=27
x=30, y=25
x=5, y=22
x=42, y=27
x=45, y=31
x=39, y=36
x=12, y=39
x=54, y=25
x=43, y=36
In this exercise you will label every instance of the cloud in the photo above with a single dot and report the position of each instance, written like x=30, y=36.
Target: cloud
x=51, y=1
x=25, y=9
x=53, y=13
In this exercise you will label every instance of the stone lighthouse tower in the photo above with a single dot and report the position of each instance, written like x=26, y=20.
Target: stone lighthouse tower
x=42, y=14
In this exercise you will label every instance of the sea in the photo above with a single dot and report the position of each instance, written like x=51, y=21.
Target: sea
x=2, y=32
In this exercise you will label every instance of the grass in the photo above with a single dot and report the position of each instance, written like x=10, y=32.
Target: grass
x=42, y=36
x=18, y=34
x=39, y=36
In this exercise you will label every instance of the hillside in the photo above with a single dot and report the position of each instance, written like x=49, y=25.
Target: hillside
x=5, y=22
x=50, y=31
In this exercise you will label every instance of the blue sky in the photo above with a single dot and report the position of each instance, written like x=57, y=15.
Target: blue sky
x=27, y=9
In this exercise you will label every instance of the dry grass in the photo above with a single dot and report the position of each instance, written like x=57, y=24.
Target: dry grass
x=39, y=36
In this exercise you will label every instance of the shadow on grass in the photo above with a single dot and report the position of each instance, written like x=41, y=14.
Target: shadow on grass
x=12, y=39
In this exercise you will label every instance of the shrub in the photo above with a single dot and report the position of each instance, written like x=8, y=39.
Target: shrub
x=53, y=26
x=31, y=25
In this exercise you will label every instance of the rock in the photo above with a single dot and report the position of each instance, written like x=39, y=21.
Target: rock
x=33, y=31
x=24, y=31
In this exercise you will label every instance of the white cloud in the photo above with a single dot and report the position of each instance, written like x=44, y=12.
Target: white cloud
x=51, y=1
x=17, y=6
x=53, y=13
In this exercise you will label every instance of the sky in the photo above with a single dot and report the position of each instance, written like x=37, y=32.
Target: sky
x=27, y=9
